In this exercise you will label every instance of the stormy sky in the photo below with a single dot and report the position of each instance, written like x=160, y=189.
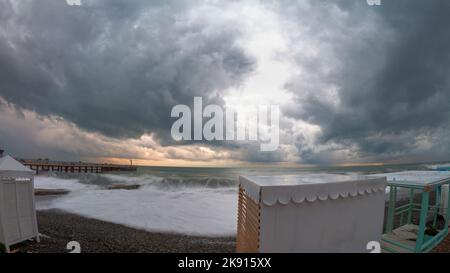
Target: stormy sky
x=355, y=83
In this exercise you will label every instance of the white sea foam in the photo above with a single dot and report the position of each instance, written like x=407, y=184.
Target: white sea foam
x=49, y=182
x=438, y=166
x=179, y=203
x=187, y=210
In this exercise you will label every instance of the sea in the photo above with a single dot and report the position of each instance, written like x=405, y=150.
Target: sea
x=191, y=201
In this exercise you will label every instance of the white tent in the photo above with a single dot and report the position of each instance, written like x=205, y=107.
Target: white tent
x=309, y=213
x=17, y=207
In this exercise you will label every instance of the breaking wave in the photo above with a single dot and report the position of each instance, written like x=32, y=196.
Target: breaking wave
x=189, y=205
x=439, y=167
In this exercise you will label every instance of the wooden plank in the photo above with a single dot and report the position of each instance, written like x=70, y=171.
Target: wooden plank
x=248, y=224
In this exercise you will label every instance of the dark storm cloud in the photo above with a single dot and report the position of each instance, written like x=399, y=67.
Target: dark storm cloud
x=373, y=79
x=391, y=74
x=115, y=67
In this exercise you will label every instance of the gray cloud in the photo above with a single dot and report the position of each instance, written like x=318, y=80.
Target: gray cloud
x=389, y=69
x=373, y=79
x=115, y=67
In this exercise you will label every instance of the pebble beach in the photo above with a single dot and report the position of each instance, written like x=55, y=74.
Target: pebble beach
x=95, y=236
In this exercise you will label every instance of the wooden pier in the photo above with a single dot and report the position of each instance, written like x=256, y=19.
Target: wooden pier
x=74, y=167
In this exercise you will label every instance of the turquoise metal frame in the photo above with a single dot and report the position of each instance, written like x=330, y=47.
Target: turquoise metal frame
x=424, y=243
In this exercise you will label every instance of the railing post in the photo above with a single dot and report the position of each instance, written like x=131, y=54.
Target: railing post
x=390, y=217
x=447, y=211
x=411, y=204
x=437, y=205
x=423, y=220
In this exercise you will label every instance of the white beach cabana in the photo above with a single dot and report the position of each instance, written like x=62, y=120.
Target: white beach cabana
x=309, y=213
x=17, y=207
